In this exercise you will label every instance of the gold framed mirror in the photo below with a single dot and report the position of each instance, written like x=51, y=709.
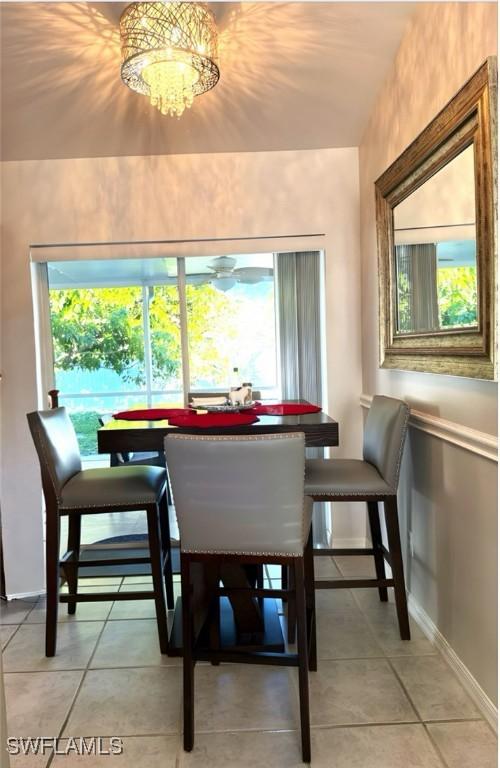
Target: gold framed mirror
x=436, y=228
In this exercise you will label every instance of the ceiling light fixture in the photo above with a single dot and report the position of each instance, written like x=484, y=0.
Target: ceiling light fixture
x=169, y=52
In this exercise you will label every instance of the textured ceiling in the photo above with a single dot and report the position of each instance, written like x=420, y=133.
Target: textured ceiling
x=299, y=75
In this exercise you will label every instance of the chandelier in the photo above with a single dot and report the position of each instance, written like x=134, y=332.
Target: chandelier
x=168, y=52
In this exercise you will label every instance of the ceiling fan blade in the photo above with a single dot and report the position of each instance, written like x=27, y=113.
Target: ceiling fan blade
x=254, y=280
x=253, y=271
x=251, y=275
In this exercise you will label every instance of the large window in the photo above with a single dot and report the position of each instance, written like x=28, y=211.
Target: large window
x=117, y=331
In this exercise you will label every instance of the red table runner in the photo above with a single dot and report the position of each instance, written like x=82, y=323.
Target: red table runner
x=151, y=414
x=284, y=409
x=210, y=420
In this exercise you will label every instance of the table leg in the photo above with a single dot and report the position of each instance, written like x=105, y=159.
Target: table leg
x=247, y=613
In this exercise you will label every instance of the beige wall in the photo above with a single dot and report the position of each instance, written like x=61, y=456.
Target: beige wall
x=176, y=197
x=448, y=495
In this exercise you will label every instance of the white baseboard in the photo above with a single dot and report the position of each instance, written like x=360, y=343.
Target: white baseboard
x=24, y=595
x=469, y=682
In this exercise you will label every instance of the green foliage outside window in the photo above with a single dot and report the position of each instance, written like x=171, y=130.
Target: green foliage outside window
x=86, y=424
x=457, y=296
x=98, y=328
x=404, y=314
x=103, y=328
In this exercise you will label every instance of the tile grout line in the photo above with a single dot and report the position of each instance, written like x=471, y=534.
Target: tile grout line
x=390, y=658
x=10, y=638
x=88, y=668
x=205, y=664
x=403, y=686
x=422, y=720
x=419, y=721
x=455, y=677
x=27, y=623
x=437, y=653
x=387, y=658
x=80, y=685
x=327, y=727
x=435, y=747
x=384, y=657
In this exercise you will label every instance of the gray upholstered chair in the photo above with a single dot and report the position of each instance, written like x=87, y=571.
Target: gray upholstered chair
x=240, y=500
x=373, y=479
x=71, y=491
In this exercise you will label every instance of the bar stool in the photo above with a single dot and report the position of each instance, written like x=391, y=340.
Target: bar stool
x=240, y=501
x=373, y=479
x=71, y=491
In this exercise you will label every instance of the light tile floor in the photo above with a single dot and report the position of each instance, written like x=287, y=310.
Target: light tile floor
x=376, y=702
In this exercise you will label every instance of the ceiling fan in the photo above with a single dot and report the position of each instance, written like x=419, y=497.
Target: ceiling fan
x=225, y=276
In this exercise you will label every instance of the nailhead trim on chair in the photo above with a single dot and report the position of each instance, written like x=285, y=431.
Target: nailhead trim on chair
x=395, y=479
x=393, y=486
x=347, y=492
x=239, y=552
x=116, y=504
x=229, y=438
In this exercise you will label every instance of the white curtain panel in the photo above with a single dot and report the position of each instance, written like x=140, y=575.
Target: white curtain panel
x=298, y=301
x=418, y=263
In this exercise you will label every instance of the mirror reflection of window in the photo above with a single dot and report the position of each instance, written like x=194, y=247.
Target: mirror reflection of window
x=435, y=251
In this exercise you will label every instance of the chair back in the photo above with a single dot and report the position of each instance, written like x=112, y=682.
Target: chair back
x=384, y=436
x=241, y=494
x=57, y=447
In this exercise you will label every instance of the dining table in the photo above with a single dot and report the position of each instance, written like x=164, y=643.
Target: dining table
x=122, y=436
x=243, y=622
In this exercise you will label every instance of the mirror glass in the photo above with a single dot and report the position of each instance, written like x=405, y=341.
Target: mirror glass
x=435, y=265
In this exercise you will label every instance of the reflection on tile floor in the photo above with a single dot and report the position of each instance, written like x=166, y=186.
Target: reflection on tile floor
x=376, y=702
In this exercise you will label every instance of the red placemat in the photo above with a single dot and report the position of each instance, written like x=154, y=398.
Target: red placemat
x=151, y=414
x=284, y=409
x=210, y=420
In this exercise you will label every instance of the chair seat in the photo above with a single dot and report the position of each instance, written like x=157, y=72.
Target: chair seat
x=113, y=487
x=344, y=477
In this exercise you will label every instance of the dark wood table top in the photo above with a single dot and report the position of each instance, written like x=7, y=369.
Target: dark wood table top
x=117, y=436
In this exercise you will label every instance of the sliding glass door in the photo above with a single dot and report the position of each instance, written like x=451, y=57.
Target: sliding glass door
x=142, y=332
